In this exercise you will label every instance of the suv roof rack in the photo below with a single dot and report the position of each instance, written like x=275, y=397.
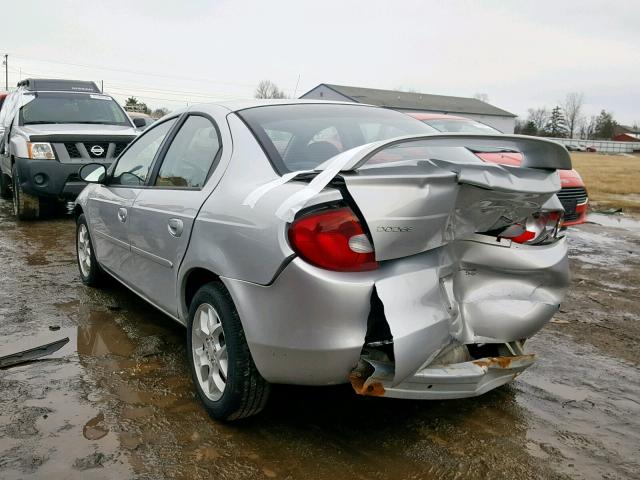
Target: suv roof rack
x=52, y=84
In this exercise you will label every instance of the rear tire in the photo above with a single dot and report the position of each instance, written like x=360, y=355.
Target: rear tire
x=90, y=272
x=25, y=206
x=226, y=378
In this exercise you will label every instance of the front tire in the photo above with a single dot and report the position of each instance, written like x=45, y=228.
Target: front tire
x=90, y=272
x=226, y=378
x=25, y=206
x=5, y=189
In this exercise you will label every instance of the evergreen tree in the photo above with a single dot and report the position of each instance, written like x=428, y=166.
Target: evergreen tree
x=556, y=126
x=529, y=128
x=605, y=125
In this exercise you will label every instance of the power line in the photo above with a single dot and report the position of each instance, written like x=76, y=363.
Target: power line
x=171, y=92
x=126, y=89
x=111, y=85
x=133, y=72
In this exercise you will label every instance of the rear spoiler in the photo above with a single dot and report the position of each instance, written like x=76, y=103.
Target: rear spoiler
x=537, y=152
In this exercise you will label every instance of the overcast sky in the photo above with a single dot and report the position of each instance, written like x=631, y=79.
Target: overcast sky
x=521, y=54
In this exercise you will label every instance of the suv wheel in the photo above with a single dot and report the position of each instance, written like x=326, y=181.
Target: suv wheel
x=5, y=189
x=90, y=272
x=228, y=382
x=25, y=206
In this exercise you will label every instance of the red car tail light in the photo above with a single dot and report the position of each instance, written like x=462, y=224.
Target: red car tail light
x=333, y=239
x=538, y=228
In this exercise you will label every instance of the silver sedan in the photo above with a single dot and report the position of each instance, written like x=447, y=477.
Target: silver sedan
x=320, y=243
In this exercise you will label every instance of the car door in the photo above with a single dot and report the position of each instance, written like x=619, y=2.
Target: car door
x=109, y=205
x=163, y=214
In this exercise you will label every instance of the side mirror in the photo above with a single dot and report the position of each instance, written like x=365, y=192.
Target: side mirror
x=93, y=173
x=130, y=179
x=139, y=122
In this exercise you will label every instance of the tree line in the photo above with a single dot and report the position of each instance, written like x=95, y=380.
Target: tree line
x=567, y=121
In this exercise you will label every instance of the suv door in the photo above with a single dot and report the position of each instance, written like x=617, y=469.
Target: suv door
x=109, y=205
x=163, y=214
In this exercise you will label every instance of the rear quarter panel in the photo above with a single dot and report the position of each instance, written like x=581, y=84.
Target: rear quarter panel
x=234, y=240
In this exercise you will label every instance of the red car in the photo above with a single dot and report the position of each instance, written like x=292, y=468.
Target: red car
x=3, y=95
x=573, y=194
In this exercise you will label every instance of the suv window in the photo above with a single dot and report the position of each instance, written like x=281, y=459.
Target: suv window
x=49, y=107
x=190, y=155
x=133, y=166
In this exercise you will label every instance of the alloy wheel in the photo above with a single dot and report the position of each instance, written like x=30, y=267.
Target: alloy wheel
x=84, y=250
x=209, y=352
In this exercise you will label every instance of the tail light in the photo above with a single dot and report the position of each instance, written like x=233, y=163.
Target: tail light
x=537, y=228
x=333, y=239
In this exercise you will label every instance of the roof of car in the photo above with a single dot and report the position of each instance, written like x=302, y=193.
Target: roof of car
x=237, y=105
x=417, y=101
x=58, y=85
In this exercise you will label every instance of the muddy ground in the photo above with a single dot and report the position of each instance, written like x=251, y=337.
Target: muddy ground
x=117, y=400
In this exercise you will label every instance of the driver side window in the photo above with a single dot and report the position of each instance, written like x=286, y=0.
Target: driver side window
x=191, y=154
x=134, y=165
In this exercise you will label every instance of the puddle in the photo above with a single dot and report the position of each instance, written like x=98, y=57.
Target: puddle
x=117, y=401
x=601, y=246
x=617, y=221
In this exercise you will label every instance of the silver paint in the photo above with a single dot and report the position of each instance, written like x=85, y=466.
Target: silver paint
x=439, y=280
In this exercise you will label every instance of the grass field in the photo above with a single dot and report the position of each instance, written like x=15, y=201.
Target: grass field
x=613, y=181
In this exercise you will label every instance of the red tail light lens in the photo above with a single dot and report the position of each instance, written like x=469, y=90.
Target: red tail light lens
x=538, y=228
x=333, y=239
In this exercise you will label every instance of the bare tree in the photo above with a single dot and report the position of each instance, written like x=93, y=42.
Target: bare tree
x=483, y=97
x=539, y=117
x=588, y=127
x=572, y=107
x=268, y=89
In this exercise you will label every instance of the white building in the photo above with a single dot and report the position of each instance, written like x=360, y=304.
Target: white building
x=418, y=102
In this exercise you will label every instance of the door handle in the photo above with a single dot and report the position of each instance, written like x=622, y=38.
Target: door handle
x=122, y=214
x=175, y=226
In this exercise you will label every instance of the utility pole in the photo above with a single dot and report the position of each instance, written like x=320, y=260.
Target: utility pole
x=295, y=91
x=6, y=72
x=101, y=86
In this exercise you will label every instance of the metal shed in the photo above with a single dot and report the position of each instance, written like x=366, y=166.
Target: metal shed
x=417, y=102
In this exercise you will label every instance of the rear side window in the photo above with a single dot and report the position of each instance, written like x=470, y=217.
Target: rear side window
x=133, y=166
x=191, y=154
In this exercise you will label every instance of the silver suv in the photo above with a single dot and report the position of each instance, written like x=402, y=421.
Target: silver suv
x=49, y=129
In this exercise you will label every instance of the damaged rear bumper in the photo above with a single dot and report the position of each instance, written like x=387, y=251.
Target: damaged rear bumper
x=439, y=382
x=312, y=326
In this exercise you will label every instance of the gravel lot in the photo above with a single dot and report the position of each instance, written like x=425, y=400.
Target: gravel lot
x=117, y=400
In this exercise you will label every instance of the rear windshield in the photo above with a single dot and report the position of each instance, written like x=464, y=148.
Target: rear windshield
x=301, y=137
x=462, y=126
x=72, y=108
